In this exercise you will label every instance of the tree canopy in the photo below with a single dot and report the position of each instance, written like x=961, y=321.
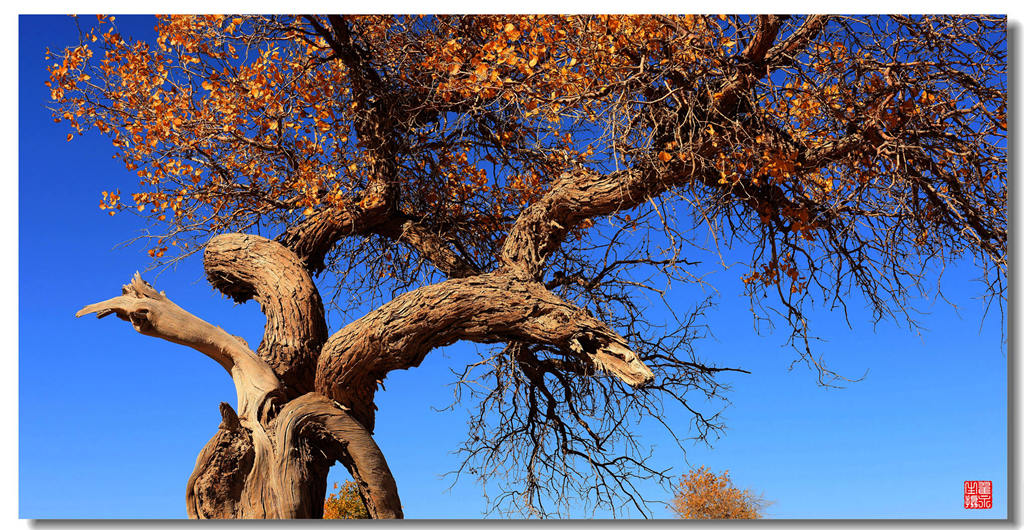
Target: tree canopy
x=701, y=494
x=575, y=166
x=345, y=503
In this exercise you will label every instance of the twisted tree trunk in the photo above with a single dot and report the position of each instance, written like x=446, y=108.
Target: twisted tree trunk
x=306, y=400
x=271, y=458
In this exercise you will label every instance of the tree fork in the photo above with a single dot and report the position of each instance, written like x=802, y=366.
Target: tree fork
x=271, y=459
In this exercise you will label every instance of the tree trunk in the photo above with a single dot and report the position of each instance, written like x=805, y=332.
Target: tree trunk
x=280, y=472
x=306, y=400
x=270, y=460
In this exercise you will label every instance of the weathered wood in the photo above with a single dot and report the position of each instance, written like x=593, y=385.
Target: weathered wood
x=152, y=313
x=271, y=459
x=486, y=308
x=346, y=440
x=247, y=267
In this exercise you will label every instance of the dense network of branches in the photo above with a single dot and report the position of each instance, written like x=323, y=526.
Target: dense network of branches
x=598, y=157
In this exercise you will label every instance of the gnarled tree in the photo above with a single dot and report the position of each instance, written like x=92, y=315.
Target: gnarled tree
x=525, y=182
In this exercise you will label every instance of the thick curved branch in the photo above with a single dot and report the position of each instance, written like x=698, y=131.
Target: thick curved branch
x=751, y=63
x=785, y=52
x=430, y=245
x=486, y=308
x=573, y=197
x=312, y=238
x=247, y=266
x=152, y=313
x=347, y=441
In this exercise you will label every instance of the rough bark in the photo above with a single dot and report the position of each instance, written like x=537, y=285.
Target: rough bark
x=248, y=266
x=315, y=236
x=271, y=459
x=487, y=308
x=279, y=471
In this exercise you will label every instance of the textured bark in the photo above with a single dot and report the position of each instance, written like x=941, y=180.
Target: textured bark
x=279, y=471
x=573, y=197
x=247, y=266
x=271, y=459
x=487, y=308
x=343, y=438
x=314, y=237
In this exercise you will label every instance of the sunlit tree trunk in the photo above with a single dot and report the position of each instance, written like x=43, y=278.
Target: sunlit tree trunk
x=271, y=458
x=306, y=401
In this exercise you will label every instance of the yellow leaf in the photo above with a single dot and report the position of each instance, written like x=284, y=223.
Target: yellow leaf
x=70, y=136
x=665, y=156
x=533, y=62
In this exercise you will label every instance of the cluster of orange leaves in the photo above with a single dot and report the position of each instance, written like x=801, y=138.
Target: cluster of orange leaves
x=215, y=123
x=770, y=274
x=702, y=494
x=345, y=503
x=224, y=124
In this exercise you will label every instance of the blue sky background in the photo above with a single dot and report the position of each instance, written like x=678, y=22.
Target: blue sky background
x=110, y=422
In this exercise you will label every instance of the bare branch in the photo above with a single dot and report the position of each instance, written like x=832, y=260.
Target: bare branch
x=152, y=313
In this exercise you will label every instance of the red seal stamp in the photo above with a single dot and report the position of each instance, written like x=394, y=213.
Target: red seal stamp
x=977, y=494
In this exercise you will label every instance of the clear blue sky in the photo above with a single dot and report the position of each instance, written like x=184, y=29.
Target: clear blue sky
x=110, y=422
